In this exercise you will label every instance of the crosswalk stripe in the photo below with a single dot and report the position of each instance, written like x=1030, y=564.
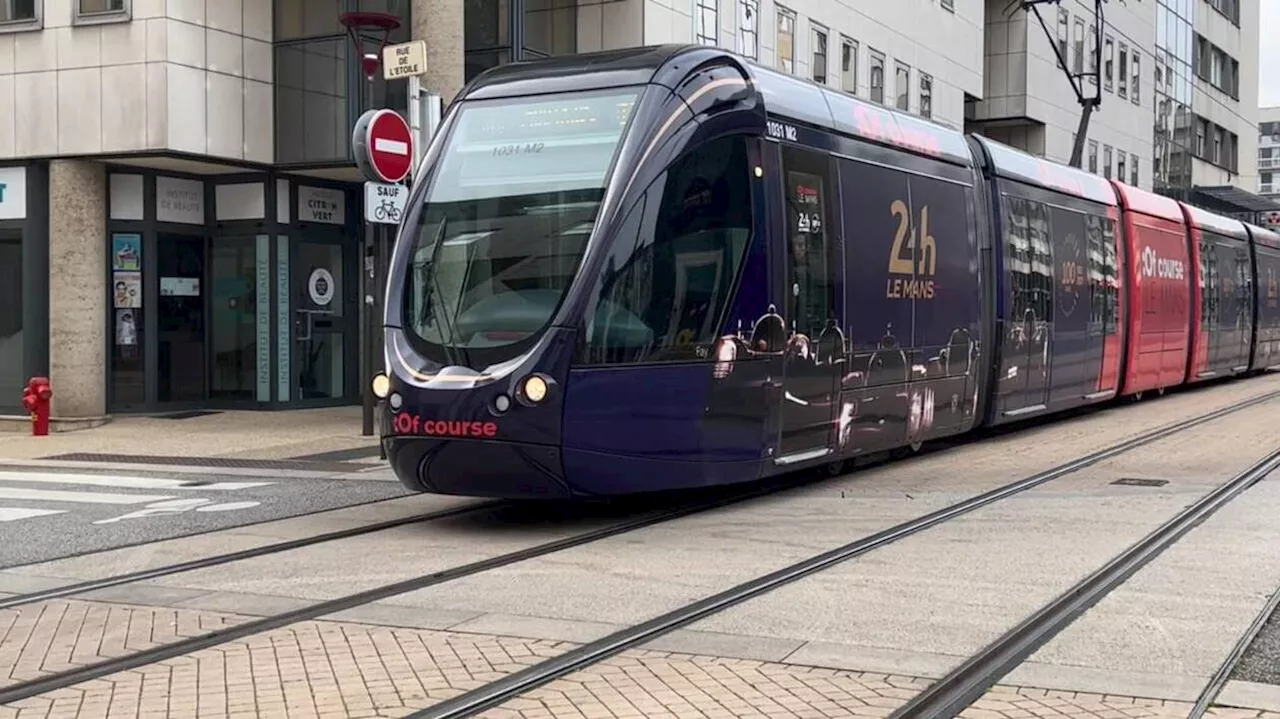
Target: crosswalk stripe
x=123, y=482
x=54, y=495
x=10, y=514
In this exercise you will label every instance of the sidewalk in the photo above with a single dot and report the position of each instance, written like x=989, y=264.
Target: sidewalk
x=308, y=440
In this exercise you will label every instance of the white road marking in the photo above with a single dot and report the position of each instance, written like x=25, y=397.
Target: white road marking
x=52, y=495
x=10, y=514
x=123, y=482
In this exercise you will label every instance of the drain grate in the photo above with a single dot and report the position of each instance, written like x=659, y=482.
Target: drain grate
x=1139, y=482
x=226, y=462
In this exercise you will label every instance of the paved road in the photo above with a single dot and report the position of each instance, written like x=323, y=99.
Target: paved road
x=47, y=515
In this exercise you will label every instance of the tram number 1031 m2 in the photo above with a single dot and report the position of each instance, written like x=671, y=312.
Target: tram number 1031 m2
x=780, y=130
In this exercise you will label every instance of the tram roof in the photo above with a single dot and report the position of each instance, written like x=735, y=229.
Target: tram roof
x=1205, y=220
x=808, y=102
x=1264, y=236
x=564, y=73
x=1014, y=164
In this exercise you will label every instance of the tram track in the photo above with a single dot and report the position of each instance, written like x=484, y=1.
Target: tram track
x=965, y=684
x=589, y=654
x=1219, y=680
x=584, y=656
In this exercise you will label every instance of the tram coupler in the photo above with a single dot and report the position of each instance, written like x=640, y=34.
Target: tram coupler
x=36, y=399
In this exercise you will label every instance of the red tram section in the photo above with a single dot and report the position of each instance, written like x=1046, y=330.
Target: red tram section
x=1159, y=275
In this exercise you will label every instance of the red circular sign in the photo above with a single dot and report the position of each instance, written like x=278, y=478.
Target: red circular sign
x=390, y=146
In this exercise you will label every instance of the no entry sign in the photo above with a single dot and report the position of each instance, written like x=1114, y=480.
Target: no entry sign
x=383, y=146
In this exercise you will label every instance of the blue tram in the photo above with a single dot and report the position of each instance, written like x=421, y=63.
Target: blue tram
x=667, y=267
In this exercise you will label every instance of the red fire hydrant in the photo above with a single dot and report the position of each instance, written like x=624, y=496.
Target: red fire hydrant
x=36, y=397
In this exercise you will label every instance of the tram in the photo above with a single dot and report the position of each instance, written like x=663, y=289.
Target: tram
x=668, y=267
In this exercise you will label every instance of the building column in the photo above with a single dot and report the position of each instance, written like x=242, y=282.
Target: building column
x=440, y=24
x=78, y=289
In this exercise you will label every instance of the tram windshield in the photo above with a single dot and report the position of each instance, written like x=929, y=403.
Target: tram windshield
x=507, y=218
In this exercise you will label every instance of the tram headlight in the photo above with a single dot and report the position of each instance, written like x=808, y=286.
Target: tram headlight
x=534, y=389
x=381, y=386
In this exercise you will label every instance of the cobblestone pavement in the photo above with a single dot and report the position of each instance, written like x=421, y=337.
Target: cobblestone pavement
x=325, y=669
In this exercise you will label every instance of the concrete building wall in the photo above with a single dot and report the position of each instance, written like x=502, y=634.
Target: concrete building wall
x=183, y=75
x=77, y=311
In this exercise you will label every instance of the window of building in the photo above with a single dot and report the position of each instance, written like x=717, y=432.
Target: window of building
x=664, y=293
x=748, y=33
x=1108, y=62
x=1133, y=170
x=708, y=22
x=902, y=87
x=785, y=40
x=1093, y=55
x=1106, y=161
x=1120, y=165
x=1064, y=26
x=1079, y=46
x=849, y=66
x=877, y=76
x=1093, y=156
x=97, y=11
x=18, y=12
x=1123, y=71
x=1202, y=136
x=819, y=68
x=926, y=95
x=1134, y=93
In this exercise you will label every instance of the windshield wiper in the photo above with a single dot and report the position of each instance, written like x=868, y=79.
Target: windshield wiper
x=433, y=285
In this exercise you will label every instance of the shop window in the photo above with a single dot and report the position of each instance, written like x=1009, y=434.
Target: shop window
x=99, y=11
x=664, y=297
x=12, y=346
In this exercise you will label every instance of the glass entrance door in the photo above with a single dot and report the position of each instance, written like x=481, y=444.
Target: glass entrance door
x=324, y=320
x=233, y=317
x=181, y=318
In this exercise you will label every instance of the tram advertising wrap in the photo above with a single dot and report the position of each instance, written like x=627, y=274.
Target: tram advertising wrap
x=669, y=267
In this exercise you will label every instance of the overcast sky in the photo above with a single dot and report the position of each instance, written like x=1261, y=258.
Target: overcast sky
x=1269, y=57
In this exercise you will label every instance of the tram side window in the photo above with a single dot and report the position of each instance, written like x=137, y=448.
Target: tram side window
x=664, y=290
x=1209, y=282
x=1029, y=263
x=1103, y=282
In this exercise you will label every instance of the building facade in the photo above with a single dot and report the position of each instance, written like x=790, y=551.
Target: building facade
x=1028, y=100
x=1269, y=152
x=181, y=220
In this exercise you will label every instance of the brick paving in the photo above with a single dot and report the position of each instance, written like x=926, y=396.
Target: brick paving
x=323, y=669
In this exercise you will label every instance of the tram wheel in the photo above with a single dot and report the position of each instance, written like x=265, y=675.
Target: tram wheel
x=835, y=469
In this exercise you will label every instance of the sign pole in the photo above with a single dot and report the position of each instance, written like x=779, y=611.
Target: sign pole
x=368, y=306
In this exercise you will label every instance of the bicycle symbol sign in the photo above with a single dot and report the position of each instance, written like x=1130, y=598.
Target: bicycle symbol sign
x=384, y=203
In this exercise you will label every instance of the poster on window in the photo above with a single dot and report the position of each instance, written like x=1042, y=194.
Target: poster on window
x=126, y=290
x=126, y=253
x=126, y=328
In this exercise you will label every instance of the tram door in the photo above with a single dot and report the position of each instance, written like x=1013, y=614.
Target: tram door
x=813, y=357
